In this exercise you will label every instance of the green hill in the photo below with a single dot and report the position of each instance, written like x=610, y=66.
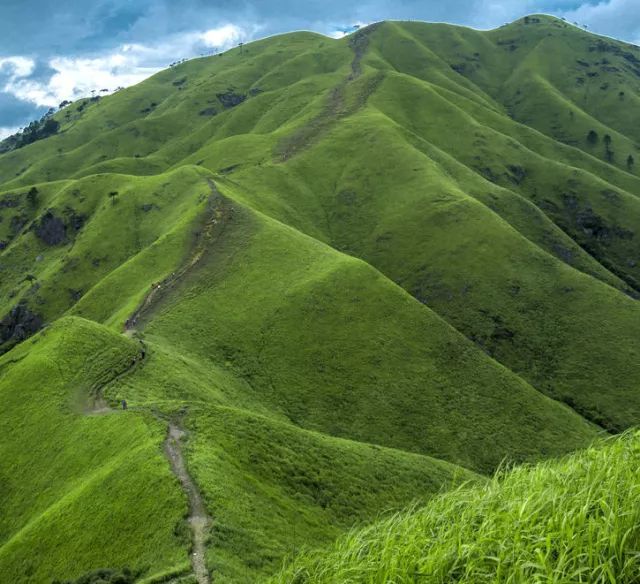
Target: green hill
x=351, y=273
x=573, y=520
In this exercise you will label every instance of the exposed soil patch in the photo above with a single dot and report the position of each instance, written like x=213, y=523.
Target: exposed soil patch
x=336, y=106
x=230, y=98
x=598, y=236
x=51, y=229
x=9, y=201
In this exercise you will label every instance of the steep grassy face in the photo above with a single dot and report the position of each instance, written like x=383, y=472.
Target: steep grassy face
x=75, y=487
x=572, y=520
x=454, y=252
x=353, y=273
x=77, y=235
x=290, y=315
x=305, y=487
x=482, y=227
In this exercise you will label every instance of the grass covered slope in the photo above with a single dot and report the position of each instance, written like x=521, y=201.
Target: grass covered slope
x=228, y=333
x=572, y=520
x=274, y=488
x=458, y=255
x=290, y=315
x=475, y=216
x=75, y=486
x=360, y=270
x=81, y=233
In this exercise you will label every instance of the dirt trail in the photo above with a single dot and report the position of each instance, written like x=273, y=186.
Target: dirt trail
x=98, y=405
x=336, y=106
x=216, y=216
x=199, y=520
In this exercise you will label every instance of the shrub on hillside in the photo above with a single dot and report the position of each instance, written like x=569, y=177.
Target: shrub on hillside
x=103, y=576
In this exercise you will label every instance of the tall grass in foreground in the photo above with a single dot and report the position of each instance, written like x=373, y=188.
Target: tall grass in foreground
x=571, y=520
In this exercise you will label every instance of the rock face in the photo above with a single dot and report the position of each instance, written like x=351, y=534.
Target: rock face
x=19, y=324
x=51, y=229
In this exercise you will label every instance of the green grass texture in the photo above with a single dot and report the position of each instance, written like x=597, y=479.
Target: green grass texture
x=571, y=520
x=362, y=271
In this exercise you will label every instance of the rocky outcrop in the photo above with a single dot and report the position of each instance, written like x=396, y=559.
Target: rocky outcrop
x=19, y=324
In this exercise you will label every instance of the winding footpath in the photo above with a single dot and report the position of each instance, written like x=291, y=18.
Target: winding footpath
x=217, y=214
x=199, y=520
x=99, y=405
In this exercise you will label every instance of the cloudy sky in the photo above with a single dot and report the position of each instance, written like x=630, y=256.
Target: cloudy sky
x=54, y=51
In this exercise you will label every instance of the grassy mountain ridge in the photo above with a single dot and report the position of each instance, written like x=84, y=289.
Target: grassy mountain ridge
x=363, y=340
x=355, y=272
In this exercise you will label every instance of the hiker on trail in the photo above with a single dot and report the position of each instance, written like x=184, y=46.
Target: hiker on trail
x=124, y=404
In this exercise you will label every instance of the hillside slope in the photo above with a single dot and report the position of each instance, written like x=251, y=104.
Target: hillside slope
x=573, y=520
x=354, y=273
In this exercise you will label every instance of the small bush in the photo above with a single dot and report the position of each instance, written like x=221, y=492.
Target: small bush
x=104, y=576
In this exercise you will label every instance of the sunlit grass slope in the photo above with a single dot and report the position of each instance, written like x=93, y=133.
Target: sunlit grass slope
x=457, y=243
x=122, y=222
x=274, y=488
x=362, y=270
x=266, y=319
x=573, y=520
x=83, y=490
x=75, y=488
x=290, y=315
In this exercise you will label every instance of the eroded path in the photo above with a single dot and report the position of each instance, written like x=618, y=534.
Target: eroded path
x=97, y=404
x=199, y=520
x=217, y=213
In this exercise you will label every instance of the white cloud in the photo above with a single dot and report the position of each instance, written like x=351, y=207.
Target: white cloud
x=5, y=132
x=617, y=18
x=343, y=31
x=226, y=35
x=128, y=64
x=17, y=66
x=74, y=78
